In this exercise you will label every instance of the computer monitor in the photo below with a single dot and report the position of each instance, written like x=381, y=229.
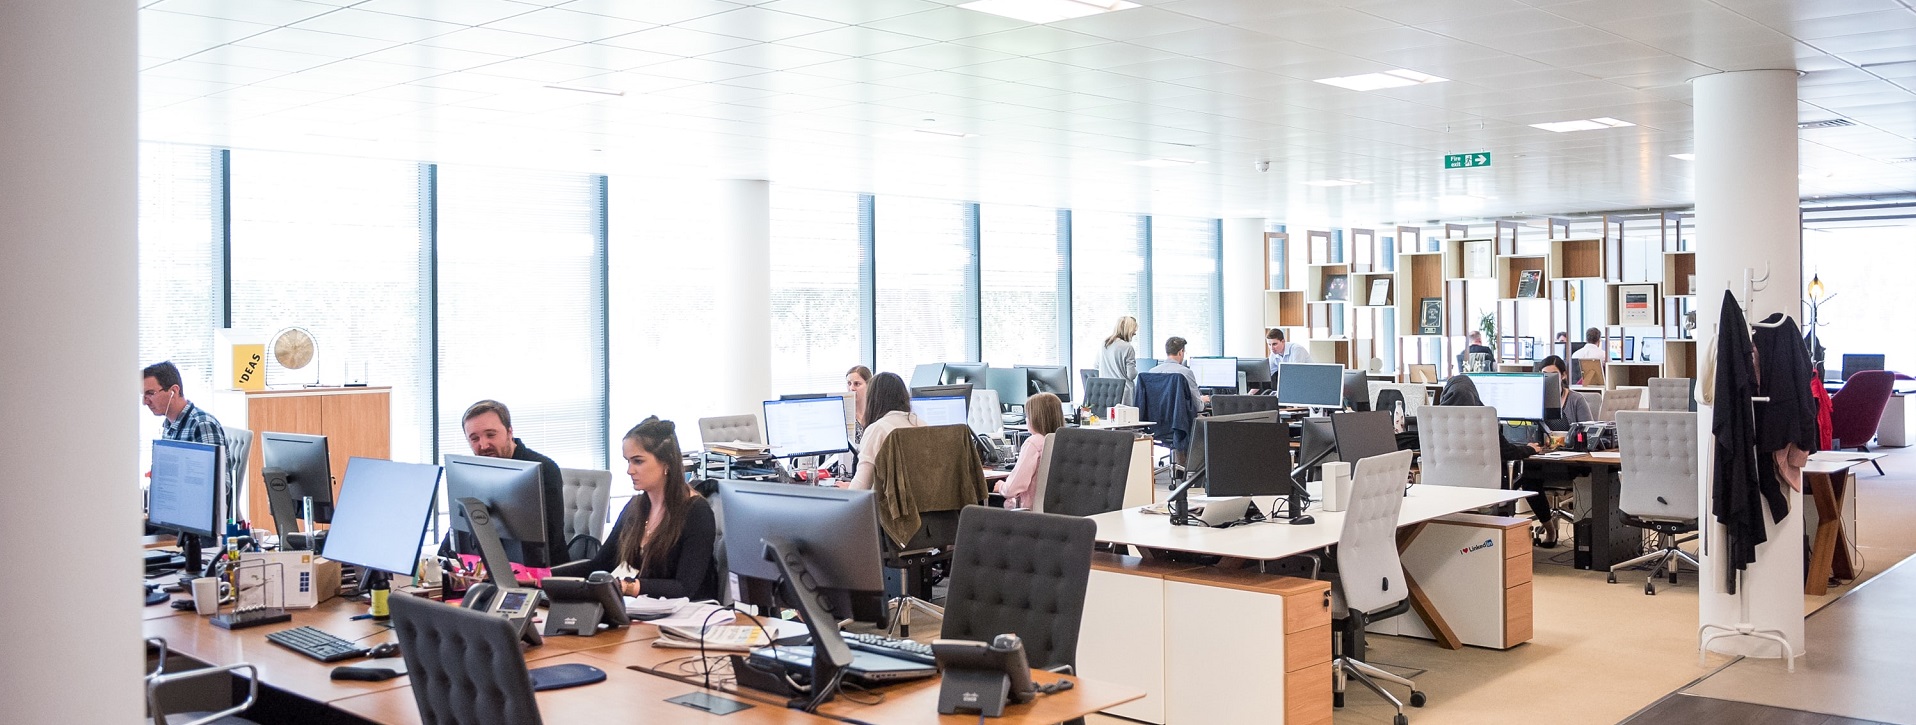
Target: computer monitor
x=1241, y=459
x=972, y=373
x=1629, y=348
x=1516, y=396
x=1362, y=435
x=384, y=508
x=1615, y=349
x=806, y=427
x=1194, y=453
x=1317, y=445
x=943, y=410
x=927, y=374
x=1356, y=390
x=307, y=468
x=184, y=493
x=1011, y=385
x=1855, y=363
x=1215, y=372
x=1053, y=379
x=1311, y=384
x=511, y=491
x=962, y=390
x=1257, y=371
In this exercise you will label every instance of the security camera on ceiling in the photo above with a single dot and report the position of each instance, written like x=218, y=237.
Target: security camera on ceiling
x=1263, y=165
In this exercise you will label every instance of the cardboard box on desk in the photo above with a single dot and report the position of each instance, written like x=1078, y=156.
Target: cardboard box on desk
x=309, y=578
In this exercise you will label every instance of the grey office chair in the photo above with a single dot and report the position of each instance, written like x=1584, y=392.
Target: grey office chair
x=1618, y=399
x=986, y=415
x=1023, y=573
x=239, y=451
x=1102, y=393
x=1234, y=404
x=1083, y=472
x=1669, y=393
x=465, y=666
x=1659, y=486
x=726, y=428
x=1085, y=376
x=1369, y=584
x=588, y=502
x=1460, y=445
x=159, y=678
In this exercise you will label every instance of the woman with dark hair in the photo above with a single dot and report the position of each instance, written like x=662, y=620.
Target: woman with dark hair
x=887, y=408
x=1575, y=408
x=1459, y=390
x=662, y=543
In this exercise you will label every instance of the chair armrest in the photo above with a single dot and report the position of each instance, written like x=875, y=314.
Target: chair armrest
x=1063, y=670
x=158, y=643
x=252, y=691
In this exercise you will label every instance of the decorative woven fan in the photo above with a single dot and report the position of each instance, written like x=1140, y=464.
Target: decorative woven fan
x=293, y=348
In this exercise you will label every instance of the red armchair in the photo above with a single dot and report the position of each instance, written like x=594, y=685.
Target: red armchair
x=1856, y=410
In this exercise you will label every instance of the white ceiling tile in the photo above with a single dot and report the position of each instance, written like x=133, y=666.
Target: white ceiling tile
x=176, y=35
x=1135, y=23
x=308, y=41
x=773, y=56
x=1830, y=27
x=426, y=56
x=636, y=83
x=488, y=40
x=1866, y=41
x=396, y=28
x=1107, y=55
x=860, y=70
x=189, y=87
x=1309, y=27
x=569, y=25
x=478, y=82
x=676, y=41
x=657, y=12
x=948, y=23
x=463, y=12
x=422, y=94
x=941, y=56
x=199, y=71
x=538, y=70
x=786, y=82
x=267, y=12
x=699, y=69
x=1032, y=40
x=759, y=24
x=856, y=41
x=603, y=57
x=850, y=12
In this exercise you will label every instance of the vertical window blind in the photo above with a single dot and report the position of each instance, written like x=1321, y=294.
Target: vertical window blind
x=816, y=257
x=1107, y=282
x=1187, y=298
x=333, y=245
x=1019, y=302
x=179, y=248
x=521, y=308
x=924, y=263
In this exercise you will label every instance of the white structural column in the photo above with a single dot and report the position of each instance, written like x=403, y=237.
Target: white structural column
x=1748, y=219
x=742, y=301
x=68, y=343
x=1244, y=287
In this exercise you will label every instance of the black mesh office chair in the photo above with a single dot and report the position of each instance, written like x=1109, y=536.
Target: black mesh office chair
x=1024, y=573
x=1234, y=404
x=465, y=666
x=1084, y=471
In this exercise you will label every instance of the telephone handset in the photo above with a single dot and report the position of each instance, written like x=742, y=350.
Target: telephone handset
x=983, y=677
x=579, y=606
x=987, y=450
x=516, y=604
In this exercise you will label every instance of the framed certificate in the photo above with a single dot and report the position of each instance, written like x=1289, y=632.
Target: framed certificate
x=1637, y=305
x=1430, y=316
x=1379, y=292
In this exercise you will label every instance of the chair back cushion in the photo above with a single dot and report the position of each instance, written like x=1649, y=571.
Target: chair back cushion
x=1461, y=446
x=588, y=502
x=1414, y=395
x=1370, y=575
x=465, y=666
x=1234, y=404
x=1669, y=393
x=1658, y=453
x=1084, y=471
x=727, y=428
x=985, y=414
x=1619, y=399
x=1857, y=409
x=239, y=449
x=1102, y=393
x=1024, y=573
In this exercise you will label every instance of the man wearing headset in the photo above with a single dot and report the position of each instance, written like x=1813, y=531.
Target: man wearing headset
x=163, y=394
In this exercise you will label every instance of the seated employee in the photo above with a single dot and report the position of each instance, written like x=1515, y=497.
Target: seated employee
x=662, y=543
x=1476, y=346
x=1592, y=349
x=1576, y=409
x=888, y=407
x=1174, y=363
x=1044, y=414
x=165, y=395
x=488, y=426
x=1284, y=352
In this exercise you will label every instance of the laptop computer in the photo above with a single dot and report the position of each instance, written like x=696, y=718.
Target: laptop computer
x=868, y=669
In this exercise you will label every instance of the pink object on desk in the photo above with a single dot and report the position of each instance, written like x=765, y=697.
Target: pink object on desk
x=519, y=572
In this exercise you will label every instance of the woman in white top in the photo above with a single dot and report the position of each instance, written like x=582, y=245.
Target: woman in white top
x=1119, y=359
x=888, y=407
x=1044, y=414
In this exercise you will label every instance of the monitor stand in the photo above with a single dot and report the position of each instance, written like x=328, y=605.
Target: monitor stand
x=498, y=566
x=830, y=655
x=287, y=515
x=1181, y=501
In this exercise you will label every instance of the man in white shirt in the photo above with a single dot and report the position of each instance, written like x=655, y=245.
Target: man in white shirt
x=1592, y=350
x=1284, y=352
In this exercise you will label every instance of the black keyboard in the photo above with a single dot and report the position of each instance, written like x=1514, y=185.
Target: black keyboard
x=250, y=618
x=903, y=649
x=316, y=644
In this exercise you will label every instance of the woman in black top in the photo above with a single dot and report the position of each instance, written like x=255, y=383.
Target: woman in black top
x=662, y=550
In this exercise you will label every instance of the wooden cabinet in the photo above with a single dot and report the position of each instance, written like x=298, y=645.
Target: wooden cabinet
x=355, y=421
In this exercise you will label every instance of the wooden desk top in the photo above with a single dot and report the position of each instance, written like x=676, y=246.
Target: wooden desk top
x=329, y=390
x=1270, y=541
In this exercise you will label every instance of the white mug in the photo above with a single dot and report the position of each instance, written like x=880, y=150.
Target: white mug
x=206, y=595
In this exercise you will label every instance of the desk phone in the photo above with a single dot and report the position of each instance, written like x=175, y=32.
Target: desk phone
x=516, y=604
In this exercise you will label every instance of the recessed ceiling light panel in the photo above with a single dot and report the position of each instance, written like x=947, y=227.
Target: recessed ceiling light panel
x=1160, y=163
x=1684, y=157
x=1588, y=124
x=1336, y=182
x=1387, y=79
x=1047, y=11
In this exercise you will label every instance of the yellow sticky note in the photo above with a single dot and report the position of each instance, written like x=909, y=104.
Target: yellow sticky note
x=249, y=367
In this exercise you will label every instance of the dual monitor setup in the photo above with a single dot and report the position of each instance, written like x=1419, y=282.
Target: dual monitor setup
x=1238, y=456
x=1013, y=384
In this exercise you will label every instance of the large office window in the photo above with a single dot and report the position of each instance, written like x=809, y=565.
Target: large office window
x=1187, y=298
x=179, y=268
x=662, y=280
x=333, y=245
x=1864, y=266
x=1020, y=256
x=1107, y=283
x=522, y=308
x=927, y=310
x=815, y=289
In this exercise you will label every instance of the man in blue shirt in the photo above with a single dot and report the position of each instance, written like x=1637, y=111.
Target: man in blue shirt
x=1173, y=363
x=164, y=394
x=1283, y=352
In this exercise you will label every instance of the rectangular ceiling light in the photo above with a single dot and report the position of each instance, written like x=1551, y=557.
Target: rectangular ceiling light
x=1589, y=124
x=944, y=132
x=1047, y=11
x=1684, y=157
x=1387, y=79
x=1335, y=182
x=587, y=89
x=1160, y=163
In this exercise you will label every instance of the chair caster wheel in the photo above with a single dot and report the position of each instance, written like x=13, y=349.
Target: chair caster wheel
x=1337, y=699
x=1401, y=719
x=1416, y=698
x=1613, y=577
x=1673, y=578
x=1649, y=589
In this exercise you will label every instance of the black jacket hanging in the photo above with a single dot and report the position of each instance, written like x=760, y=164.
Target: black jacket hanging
x=1785, y=376
x=1736, y=504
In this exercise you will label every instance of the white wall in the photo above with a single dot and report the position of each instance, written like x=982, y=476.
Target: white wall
x=1244, y=287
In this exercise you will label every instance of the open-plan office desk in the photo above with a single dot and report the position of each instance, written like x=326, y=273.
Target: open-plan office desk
x=625, y=696
x=1211, y=644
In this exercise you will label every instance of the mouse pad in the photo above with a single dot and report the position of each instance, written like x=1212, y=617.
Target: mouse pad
x=558, y=677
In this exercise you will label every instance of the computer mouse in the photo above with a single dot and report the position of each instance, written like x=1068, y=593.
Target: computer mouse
x=389, y=649
x=1303, y=520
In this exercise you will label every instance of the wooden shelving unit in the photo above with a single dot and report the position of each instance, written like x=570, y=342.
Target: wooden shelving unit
x=1509, y=269
x=1419, y=275
x=1319, y=277
x=1576, y=259
x=1283, y=308
x=1360, y=285
x=1455, y=267
x=1679, y=270
x=1613, y=308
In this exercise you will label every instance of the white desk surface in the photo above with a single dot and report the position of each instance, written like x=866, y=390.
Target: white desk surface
x=1844, y=457
x=1267, y=541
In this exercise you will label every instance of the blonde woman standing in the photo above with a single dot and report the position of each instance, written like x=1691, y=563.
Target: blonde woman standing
x=1119, y=359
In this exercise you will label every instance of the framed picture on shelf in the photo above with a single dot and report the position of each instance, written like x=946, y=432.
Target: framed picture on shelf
x=1379, y=292
x=1529, y=283
x=1337, y=288
x=1477, y=259
x=1430, y=316
x=1637, y=305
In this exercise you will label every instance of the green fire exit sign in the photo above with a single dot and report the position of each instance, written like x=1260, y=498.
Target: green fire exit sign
x=1467, y=161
